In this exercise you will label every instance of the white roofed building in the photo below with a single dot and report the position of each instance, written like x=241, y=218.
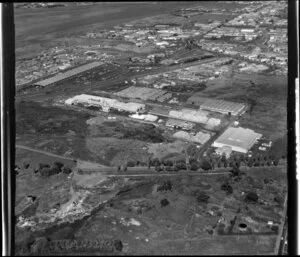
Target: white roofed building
x=239, y=139
x=105, y=103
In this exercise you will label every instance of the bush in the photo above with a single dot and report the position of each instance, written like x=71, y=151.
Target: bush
x=43, y=165
x=158, y=168
x=206, y=165
x=166, y=186
x=278, y=199
x=194, y=166
x=130, y=164
x=55, y=169
x=202, y=197
x=58, y=164
x=164, y=202
x=168, y=168
x=181, y=165
x=226, y=187
x=118, y=245
x=155, y=162
x=252, y=197
x=66, y=170
x=26, y=165
x=169, y=163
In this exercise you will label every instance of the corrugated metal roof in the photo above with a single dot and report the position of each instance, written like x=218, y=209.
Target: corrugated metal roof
x=238, y=138
x=68, y=74
x=222, y=106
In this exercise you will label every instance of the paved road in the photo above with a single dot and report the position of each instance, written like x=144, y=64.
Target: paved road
x=57, y=156
x=282, y=233
x=168, y=174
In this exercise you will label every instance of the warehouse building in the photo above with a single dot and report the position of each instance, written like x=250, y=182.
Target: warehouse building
x=199, y=138
x=105, y=103
x=179, y=124
x=239, y=139
x=197, y=116
x=222, y=106
x=68, y=74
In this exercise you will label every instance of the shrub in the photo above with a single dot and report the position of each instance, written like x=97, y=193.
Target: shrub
x=226, y=187
x=164, y=202
x=66, y=170
x=156, y=162
x=43, y=165
x=181, y=165
x=58, y=164
x=168, y=168
x=26, y=165
x=192, y=160
x=202, y=197
x=166, y=186
x=130, y=164
x=206, y=165
x=55, y=169
x=118, y=245
x=194, y=166
x=252, y=197
x=278, y=199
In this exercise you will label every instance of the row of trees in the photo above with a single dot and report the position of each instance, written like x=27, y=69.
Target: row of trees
x=194, y=164
x=57, y=167
x=44, y=245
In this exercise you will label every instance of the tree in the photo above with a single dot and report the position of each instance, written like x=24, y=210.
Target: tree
x=158, y=168
x=164, y=202
x=26, y=165
x=242, y=158
x=250, y=164
x=166, y=186
x=278, y=199
x=252, y=197
x=130, y=163
x=225, y=164
x=219, y=164
x=226, y=187
x=43, y=165
x=202, y=197
x=156, y=162
x=169, y=163
x=118, y=245
x=205, y=165
x=55, y=169
x=194, y=166
x=66, y=170
x=58, y=164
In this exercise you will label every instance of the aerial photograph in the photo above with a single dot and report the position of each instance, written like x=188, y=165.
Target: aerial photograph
x=151, y=128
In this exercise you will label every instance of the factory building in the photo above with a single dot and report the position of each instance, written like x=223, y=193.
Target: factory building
x=239, y=139
x=68, y=74
x=105, y=103
x=199, y=138
x=197, y=116
x=179, y=124
x=222, y=106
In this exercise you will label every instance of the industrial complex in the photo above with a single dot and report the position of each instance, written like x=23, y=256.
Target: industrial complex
x=162, y=133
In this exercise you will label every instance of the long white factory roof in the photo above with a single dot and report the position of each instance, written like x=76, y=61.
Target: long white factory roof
x=68, y=74
x=105, y=102
x=237, y=138
x=222, y=106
